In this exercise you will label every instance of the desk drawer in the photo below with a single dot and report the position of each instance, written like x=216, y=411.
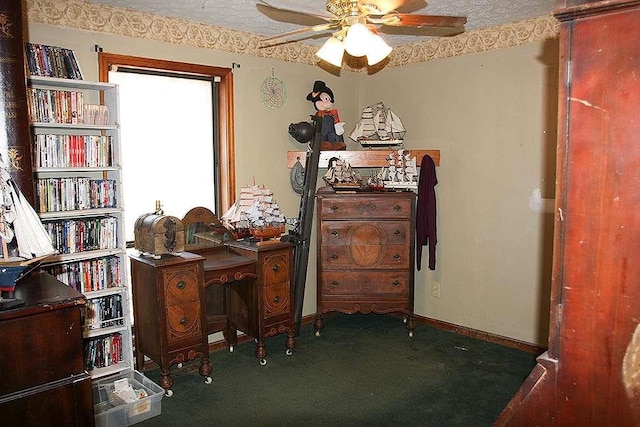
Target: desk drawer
x=277, y=297
x=183, y=322
x=180, y=284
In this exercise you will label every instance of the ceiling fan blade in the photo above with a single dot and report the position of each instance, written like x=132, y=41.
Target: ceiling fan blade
x=382, y=7
x=419, y=21
x=315, y=28
x=422, y=31
x=292, y=16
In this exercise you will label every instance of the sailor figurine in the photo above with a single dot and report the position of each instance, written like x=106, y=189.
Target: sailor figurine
x=332, y=128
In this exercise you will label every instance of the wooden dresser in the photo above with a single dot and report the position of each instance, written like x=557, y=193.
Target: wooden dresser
x=366, y=252
x=169, y=316
x=42, y=379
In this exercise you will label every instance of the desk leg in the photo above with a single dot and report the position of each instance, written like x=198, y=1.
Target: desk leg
x=166, y=382
x=139, y=354
x=230, y=333
x=291, y=341
x=261, y=351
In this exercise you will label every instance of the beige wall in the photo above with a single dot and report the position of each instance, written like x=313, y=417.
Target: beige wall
x=493, y=116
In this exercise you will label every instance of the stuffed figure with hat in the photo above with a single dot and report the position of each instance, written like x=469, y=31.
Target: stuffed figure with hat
x=332, y=128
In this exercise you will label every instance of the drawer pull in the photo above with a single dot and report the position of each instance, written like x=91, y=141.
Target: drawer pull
x=335, y=233
x=396, y=232
x=396, y=257
x=333, y=283
x=181, y=284
x=334, y=257
x=396, y=283
x=397, y=208
x=183, y=321
x=276, y=299
x=276, y=268
x=334, y=207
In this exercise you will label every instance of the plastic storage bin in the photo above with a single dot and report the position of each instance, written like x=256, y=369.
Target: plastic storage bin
x=110, y=411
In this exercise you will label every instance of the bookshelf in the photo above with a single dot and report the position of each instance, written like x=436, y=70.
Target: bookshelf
x=77, y=178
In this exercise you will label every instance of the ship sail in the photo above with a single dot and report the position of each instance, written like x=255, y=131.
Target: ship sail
x=256, y=209
x=402, y=172
x=380, y=126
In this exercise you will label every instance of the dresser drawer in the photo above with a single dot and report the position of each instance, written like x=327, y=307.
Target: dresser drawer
x=365, y=233
x=364, y=207
x=180, y=285
x=365, y=257
x=369, y=284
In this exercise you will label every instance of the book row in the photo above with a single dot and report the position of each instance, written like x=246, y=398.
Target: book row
x=81, y=235
x=64, y=106
x=76, y=193
x=102, y=352
x=103, y=312
x=52, y=61
x=89, y=275
x=72, y=151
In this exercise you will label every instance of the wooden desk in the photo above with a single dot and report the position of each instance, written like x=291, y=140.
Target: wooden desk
x=243, y=286
x=43, y=381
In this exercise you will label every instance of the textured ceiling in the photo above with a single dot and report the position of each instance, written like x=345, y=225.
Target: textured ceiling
x=243, y=15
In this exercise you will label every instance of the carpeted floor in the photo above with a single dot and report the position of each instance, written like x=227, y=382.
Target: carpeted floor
x=363, y=370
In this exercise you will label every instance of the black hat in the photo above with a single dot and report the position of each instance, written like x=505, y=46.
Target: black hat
x=319, y=87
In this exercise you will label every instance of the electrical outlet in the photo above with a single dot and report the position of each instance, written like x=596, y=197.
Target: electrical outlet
x=435, y=289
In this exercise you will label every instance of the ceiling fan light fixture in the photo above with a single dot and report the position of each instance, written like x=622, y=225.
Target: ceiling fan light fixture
x=378, y=50
x=332, y=52
x=356, y=43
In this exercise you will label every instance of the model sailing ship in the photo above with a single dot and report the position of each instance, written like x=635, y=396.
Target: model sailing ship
x=378, y=126
x=255, y=210
x=402, y=172
x=341, y=176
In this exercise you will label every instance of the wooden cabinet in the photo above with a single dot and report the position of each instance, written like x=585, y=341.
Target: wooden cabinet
x=366, y=254
x=264, y=308
x=77, y=175
x=589, y=375
x=43, y=381
x=169, y=317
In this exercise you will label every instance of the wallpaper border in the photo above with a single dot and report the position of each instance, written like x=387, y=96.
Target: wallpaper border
x=125, y=22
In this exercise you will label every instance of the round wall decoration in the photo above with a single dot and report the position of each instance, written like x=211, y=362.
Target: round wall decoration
x=273, y=92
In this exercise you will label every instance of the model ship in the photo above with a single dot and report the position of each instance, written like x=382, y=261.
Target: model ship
x=378, y=126
x=402, y=171
x=255, y=210
x=341, y=176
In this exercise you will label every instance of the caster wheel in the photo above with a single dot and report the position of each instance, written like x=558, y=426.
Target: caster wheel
x=230, y=349
x=263, y=362
x=289, y=352
x=317, y=333
x=168, y=393
x=208, y=380
x=410, y=334
x=179, y=365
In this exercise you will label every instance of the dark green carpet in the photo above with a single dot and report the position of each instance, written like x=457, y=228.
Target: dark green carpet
x=363, y=370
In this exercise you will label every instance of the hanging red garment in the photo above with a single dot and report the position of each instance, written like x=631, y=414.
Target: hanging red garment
x=426, y=212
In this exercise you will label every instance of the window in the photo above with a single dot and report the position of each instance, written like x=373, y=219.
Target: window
x=183, y=171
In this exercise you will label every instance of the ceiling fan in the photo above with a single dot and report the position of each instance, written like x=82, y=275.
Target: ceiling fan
x=355, y=24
